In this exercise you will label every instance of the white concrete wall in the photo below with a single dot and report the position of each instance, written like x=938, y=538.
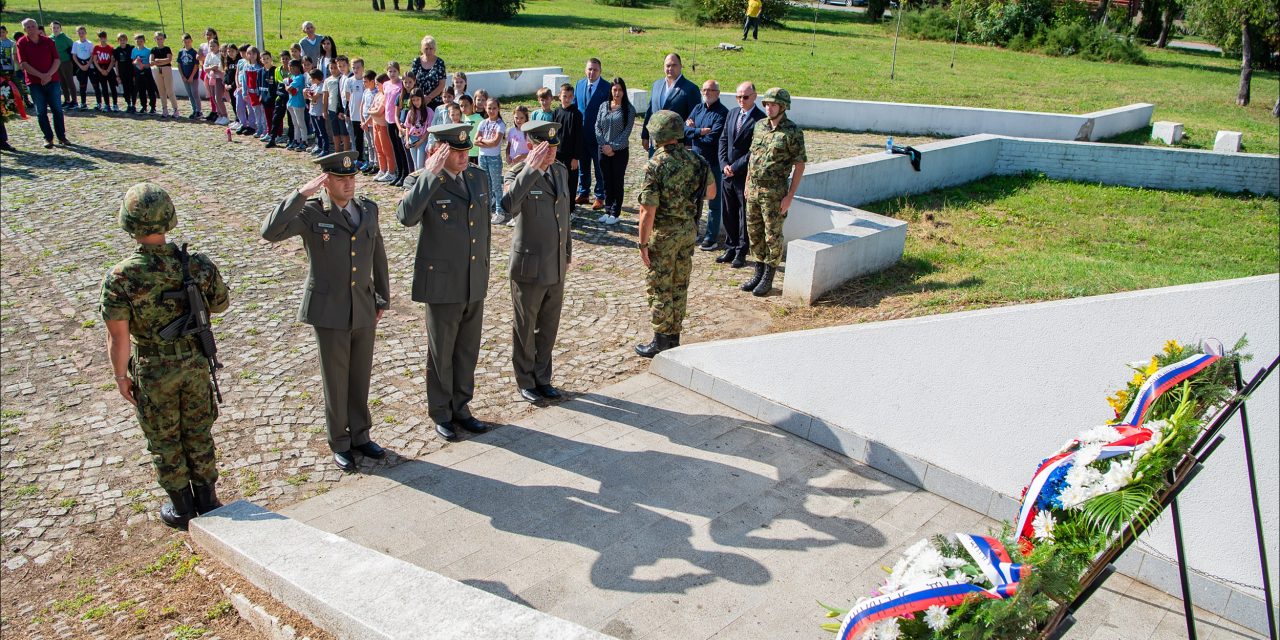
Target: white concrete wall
x=850, y=243
x=963, y=401
x=1141, y=166
x=505, y=83
x=949, y=121
x=876, y=176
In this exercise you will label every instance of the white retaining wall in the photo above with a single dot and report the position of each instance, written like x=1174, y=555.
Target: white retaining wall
x=966, y=404
x=1141, y=166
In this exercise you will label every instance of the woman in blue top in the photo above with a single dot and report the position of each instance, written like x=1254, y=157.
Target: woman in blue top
x=145, y=82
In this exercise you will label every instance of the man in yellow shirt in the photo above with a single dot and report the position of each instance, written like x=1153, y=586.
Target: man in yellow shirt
x=752, y=23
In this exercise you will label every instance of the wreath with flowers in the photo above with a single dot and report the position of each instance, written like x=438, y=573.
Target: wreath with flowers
x=12, y=98
x=1108, y=478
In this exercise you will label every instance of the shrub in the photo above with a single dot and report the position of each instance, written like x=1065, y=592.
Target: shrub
x=1000, y=22
x=619, y=3
x=1091, y=43
x=702, y=12
x=1071, y=12
x=481, y=10
x=933, y=23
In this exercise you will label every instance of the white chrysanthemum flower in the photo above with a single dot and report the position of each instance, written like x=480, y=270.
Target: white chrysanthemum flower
x=1081, y=476
x=1105, y=434
x=1042, y=526
x=1158, y=428
x=1118, y=475
x=936, y=617
x=888, y=630
x=1074, y=496
x=1087, y=454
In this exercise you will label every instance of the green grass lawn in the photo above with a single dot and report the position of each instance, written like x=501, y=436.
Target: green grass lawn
x=839, y=56
x=1013, y=239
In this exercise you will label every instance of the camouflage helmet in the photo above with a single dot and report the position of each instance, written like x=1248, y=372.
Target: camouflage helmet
x=779, y=96
x=665, y=126
x=147, y=209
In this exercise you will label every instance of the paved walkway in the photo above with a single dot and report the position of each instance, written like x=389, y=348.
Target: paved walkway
x=645, y=510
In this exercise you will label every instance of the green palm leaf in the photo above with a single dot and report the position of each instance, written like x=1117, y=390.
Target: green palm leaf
x=1132, y=505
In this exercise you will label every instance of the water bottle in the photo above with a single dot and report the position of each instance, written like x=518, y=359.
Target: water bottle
x=228, y=134
x=888, y=146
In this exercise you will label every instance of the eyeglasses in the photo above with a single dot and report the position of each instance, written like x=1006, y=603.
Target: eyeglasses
x=744, y=96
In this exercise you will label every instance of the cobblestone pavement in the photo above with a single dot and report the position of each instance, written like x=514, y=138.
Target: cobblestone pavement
x=72, y=454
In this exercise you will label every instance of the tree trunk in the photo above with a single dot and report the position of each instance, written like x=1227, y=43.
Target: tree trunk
x=1101, y=16
x=1166, y=21
x=1246, y=65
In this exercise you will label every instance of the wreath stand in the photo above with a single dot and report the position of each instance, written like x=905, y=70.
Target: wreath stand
x=1179, y=477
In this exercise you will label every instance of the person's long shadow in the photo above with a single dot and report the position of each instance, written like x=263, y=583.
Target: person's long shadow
x=636, y=506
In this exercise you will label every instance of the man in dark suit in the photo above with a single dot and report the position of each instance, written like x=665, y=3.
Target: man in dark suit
x=590, y=93
x=536, y=192
x=348, y=290
x=672, y=92
x=735, y=152
x=704, y=128
x=450, y=199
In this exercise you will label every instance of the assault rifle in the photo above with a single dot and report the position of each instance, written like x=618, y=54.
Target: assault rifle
x=195, y=322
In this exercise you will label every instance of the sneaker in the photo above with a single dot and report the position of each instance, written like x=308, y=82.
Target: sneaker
x=97, y=107
x=382, y=176
x=152, y=111
x=222, y=122
x=611, y=220
x=213, y=115
x=131, y=109
x=498, y=218
x=511, y=222
x=195, y=115
x=604, y=218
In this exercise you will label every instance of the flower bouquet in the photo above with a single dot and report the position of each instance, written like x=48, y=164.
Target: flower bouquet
x=12, y=94
x=1079, y=500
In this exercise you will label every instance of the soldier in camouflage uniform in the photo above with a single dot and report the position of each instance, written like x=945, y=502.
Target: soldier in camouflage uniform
x=676, y=180
x=777, y=154
x=167, y=381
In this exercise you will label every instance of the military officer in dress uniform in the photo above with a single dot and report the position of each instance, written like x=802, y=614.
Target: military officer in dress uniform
x=536, y=192
x=348, y=290
x=450, y=199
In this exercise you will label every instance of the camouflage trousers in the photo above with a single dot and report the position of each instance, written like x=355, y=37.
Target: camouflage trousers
x=667, y=280
x=764, y=224
x=176, y=411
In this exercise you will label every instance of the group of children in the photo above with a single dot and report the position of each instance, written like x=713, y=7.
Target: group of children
x=317, y=105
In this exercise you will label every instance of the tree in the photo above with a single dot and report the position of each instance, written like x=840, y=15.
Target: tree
x=481, y=10
x=1238, y=26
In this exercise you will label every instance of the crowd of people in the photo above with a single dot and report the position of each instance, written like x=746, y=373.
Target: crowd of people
x=465, y=170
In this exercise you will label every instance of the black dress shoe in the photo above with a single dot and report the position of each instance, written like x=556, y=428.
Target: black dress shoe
x=531, y=395
x=549, y=392
x=371, y=449
x=727, y=255
x=446, y=431
x=739, y=260
x=345, y=461
x=471, y=424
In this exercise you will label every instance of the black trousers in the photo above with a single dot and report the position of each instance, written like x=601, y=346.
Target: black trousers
x=734, y=209
x=146, y=86
x=346, y=359
x=86, y=77
x=358, y=137
x=614, y=168
x=108, y=83
x=397, y=148
x=534, y=326
x=279, y=113
x=129, y=86
x=567, y=161
x=752, y=25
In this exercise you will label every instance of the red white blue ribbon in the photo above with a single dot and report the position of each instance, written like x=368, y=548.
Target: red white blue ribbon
x=990, y=556
x=1132, y=433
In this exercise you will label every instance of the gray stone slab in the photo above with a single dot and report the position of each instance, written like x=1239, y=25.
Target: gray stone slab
x=314, y=573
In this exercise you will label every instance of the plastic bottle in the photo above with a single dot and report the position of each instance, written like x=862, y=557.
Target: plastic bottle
x=228, y=134
x=888, y=145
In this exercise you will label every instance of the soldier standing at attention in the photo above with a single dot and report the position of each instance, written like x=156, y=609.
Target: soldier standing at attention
x=536, y=193
x=167, y=381
x=450, y=199
x=348, y=290
x=676, y=180
x=777, y=154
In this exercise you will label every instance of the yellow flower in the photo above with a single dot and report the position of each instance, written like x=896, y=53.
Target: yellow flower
x=1152, y=367
x=1137, y=379
x=1171, y=347
x=1119, y=401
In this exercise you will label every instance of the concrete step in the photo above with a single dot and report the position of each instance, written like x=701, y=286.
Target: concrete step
x=355, y=592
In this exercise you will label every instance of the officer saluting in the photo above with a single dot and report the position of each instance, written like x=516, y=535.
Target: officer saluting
x=536, y=192
x=450, y=199
x=167, y=380
x=348, y=290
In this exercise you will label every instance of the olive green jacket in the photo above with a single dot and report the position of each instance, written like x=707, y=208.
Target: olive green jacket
x=452, y=263
x=540, y=248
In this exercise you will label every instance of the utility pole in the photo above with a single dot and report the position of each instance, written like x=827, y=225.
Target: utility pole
x=257, y=25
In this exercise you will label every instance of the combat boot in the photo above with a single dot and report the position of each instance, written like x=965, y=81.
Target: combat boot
x=751, y=284
x=661, y=342
x=206, y=497
x=766, y=283
x=181, y=508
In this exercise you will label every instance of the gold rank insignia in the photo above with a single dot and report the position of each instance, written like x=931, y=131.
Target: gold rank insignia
x=444, y=215
x=346, y=162
x=462, y=136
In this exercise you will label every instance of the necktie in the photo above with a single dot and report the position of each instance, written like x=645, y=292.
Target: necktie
x=742, y=119
x=552, y=180
x=351, y=219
